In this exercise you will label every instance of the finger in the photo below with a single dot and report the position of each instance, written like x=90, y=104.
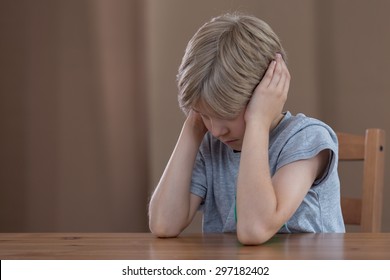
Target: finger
x=278, y=72
x=285, y=74
x=268, y=74
x=284, y=82
x=286, y=85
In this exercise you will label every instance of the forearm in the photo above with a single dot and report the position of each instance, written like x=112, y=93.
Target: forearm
x=257, y=205
x=170, y=204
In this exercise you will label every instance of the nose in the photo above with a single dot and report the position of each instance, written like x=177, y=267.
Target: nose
x=218, y=128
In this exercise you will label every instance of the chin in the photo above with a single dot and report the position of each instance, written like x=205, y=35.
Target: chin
x=235, y=147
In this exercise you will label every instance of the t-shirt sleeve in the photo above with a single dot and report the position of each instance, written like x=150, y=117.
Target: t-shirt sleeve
x=307, y=143
x=198, y=181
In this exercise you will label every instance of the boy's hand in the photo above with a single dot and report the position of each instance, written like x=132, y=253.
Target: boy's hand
x=269, y=96
x=194, y=120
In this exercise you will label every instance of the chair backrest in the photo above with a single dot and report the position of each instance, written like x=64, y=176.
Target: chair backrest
x=365, y=211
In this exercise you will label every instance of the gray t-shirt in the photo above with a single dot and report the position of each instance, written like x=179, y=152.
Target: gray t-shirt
x=297, y=137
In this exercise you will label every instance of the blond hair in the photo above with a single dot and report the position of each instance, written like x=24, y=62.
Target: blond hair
x=224, y=61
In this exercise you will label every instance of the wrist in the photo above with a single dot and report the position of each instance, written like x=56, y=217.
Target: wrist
x=261, y=123
x=257, y=124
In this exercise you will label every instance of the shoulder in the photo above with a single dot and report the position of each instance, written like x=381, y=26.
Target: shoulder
x=303, y=129
x=300, y=137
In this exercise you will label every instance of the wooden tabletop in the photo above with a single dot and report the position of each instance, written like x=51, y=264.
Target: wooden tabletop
x=143, y=246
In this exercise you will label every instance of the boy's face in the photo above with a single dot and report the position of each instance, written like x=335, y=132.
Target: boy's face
x=228, y=131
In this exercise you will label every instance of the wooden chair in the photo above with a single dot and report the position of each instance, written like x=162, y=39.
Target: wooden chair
x=365, y=211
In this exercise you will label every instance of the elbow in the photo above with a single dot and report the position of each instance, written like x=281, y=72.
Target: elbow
x=161, y=233
x=163, y=230
x=253, y=235
x=161, y=226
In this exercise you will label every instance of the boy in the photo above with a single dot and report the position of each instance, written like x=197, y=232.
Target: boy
x=251, y=168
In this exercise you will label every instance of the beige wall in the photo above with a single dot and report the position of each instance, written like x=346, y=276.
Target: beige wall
x=88, y=110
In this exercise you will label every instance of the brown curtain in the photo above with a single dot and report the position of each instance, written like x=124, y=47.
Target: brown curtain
x=73, y=116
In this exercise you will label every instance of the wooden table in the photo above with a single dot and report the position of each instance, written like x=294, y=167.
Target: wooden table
x=191, y=246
